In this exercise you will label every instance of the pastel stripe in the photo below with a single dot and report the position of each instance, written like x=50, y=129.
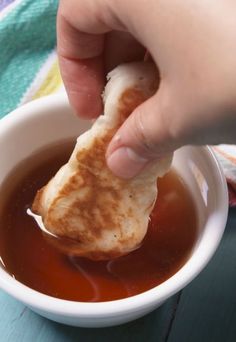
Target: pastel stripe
x=229, y=151
x=43, y=82
x=227, y=164
x=5, y=3
x=27, y=37
x=7, y=7
x=52, y=83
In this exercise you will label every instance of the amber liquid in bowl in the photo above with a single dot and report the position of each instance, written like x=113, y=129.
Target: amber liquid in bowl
x=30, y=258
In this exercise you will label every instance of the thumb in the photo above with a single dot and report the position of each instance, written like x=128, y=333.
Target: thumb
x=144, y=137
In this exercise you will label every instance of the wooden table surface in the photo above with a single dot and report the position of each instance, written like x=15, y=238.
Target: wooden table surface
x=205, y=311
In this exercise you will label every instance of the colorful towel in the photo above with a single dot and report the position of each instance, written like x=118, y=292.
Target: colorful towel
x=29, y=67
x=226, y=154
x=28, y=61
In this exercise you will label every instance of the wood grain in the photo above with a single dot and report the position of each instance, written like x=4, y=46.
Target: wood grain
x=207, y=309
x=18, y=323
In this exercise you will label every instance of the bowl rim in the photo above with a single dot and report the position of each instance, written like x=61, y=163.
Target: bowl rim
x=149, y=298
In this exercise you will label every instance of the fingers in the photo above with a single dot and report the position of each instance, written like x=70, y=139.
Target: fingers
x=84, y=82
x=145, y=136
x=87, y=51
x=121, y=47
x=81, y=64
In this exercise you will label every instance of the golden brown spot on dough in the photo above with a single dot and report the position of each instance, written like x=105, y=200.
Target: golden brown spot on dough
x=37, y=207
x=129, y=100
x=132, y=98
x=98, y=208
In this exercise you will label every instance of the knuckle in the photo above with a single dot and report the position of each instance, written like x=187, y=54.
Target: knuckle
x=152, y=130
x=146, y=140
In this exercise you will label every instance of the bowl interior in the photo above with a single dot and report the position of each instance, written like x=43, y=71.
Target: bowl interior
x=48, y=121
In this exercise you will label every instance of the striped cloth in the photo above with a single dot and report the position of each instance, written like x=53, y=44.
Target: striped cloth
x=226, y=155
x=29, y=67
x=28, y=61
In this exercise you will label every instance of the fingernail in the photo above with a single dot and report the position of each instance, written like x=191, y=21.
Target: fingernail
x=126, y=163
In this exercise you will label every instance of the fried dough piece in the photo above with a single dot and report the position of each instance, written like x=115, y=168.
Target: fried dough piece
x=103, y=215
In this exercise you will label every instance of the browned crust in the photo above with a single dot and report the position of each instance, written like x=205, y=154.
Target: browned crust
x=99, y=208
x=37, y=203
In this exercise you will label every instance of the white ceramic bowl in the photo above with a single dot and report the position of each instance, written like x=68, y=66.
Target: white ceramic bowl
x=48, y=120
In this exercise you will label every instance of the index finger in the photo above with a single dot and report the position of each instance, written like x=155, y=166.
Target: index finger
x=81, y=61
